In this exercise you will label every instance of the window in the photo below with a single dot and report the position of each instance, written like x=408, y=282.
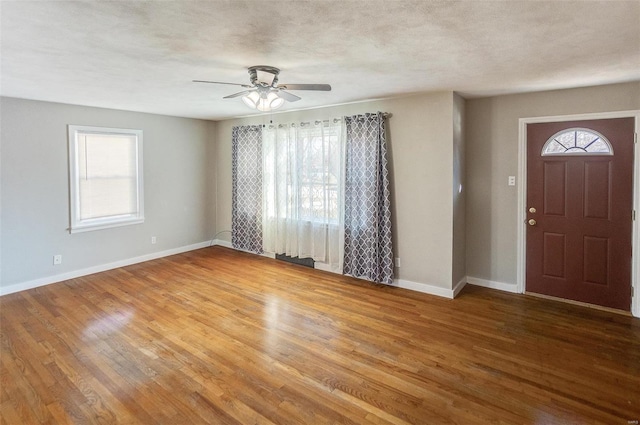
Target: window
x=577, y=141
x=105, y=174
x=302, y=171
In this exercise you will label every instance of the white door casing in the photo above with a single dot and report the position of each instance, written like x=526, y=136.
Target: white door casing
x=522, y=197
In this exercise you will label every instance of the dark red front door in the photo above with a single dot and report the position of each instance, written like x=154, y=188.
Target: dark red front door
x=579, y=210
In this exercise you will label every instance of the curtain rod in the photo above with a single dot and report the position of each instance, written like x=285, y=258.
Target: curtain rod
x=317, y=122
x=306, y=123
x=384, y=114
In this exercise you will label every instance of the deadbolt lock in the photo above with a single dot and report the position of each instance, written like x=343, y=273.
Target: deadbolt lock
x=532, y=210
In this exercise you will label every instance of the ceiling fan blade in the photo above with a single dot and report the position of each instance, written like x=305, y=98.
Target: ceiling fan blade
x=289, y=97
x=218, y=82
x=320, y=87
x=242, y=93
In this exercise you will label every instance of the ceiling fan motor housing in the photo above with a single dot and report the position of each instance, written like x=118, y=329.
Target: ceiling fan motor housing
x=257, y=75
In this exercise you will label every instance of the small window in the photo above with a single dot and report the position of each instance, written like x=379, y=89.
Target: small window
x=105, y=175
x=577, y=141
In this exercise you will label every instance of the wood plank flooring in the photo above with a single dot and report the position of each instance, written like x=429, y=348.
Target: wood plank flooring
x=216, y=336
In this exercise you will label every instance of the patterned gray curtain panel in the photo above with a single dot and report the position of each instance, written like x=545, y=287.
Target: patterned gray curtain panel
x=246, y=206
x=368, y=252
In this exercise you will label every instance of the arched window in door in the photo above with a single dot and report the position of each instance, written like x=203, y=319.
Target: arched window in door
x=577, y=141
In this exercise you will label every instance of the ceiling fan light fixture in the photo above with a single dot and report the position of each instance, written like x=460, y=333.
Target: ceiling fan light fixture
x=268, y=101
x=275, y=100
x=251, y=99
x=264, y=101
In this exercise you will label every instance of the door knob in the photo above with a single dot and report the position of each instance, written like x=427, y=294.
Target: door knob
x=532, y=222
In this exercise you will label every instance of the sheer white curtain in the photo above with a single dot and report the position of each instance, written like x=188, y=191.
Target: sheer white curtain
x=303, y=191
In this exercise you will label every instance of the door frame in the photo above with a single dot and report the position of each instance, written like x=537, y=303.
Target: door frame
x=522, y=196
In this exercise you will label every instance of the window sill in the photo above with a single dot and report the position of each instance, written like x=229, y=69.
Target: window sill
x=105, y=225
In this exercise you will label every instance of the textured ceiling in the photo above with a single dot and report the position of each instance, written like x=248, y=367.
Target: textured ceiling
x=142, y=56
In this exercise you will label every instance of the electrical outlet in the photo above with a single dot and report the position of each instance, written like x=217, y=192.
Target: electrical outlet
x=153, y=239
x=57, y=260
x=398, y=262
x=512, y=180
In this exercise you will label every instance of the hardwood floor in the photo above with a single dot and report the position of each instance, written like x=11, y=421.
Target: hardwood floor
x=216, y=336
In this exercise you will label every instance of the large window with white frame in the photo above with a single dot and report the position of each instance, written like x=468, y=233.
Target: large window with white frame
x=105, y=175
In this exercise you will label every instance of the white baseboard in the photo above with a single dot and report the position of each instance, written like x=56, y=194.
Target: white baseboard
x=502, y=286
x=458, y=286
x=228, y=244
x=425, y=288
x=221, y=242
x=17, y=287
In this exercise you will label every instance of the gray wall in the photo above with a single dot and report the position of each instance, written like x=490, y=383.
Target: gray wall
x=179, y=189
x=459, y=202
x=492, y=152
x=421, y=154
x=437, y=141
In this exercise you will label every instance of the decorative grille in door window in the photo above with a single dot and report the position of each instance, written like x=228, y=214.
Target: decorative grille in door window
x=577, y=141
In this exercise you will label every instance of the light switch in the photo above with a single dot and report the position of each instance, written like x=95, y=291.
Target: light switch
x=512, y=180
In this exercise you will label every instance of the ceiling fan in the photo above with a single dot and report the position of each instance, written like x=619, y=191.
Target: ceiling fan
x=264, y=93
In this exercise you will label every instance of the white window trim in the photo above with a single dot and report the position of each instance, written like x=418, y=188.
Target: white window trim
x=76, y=225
